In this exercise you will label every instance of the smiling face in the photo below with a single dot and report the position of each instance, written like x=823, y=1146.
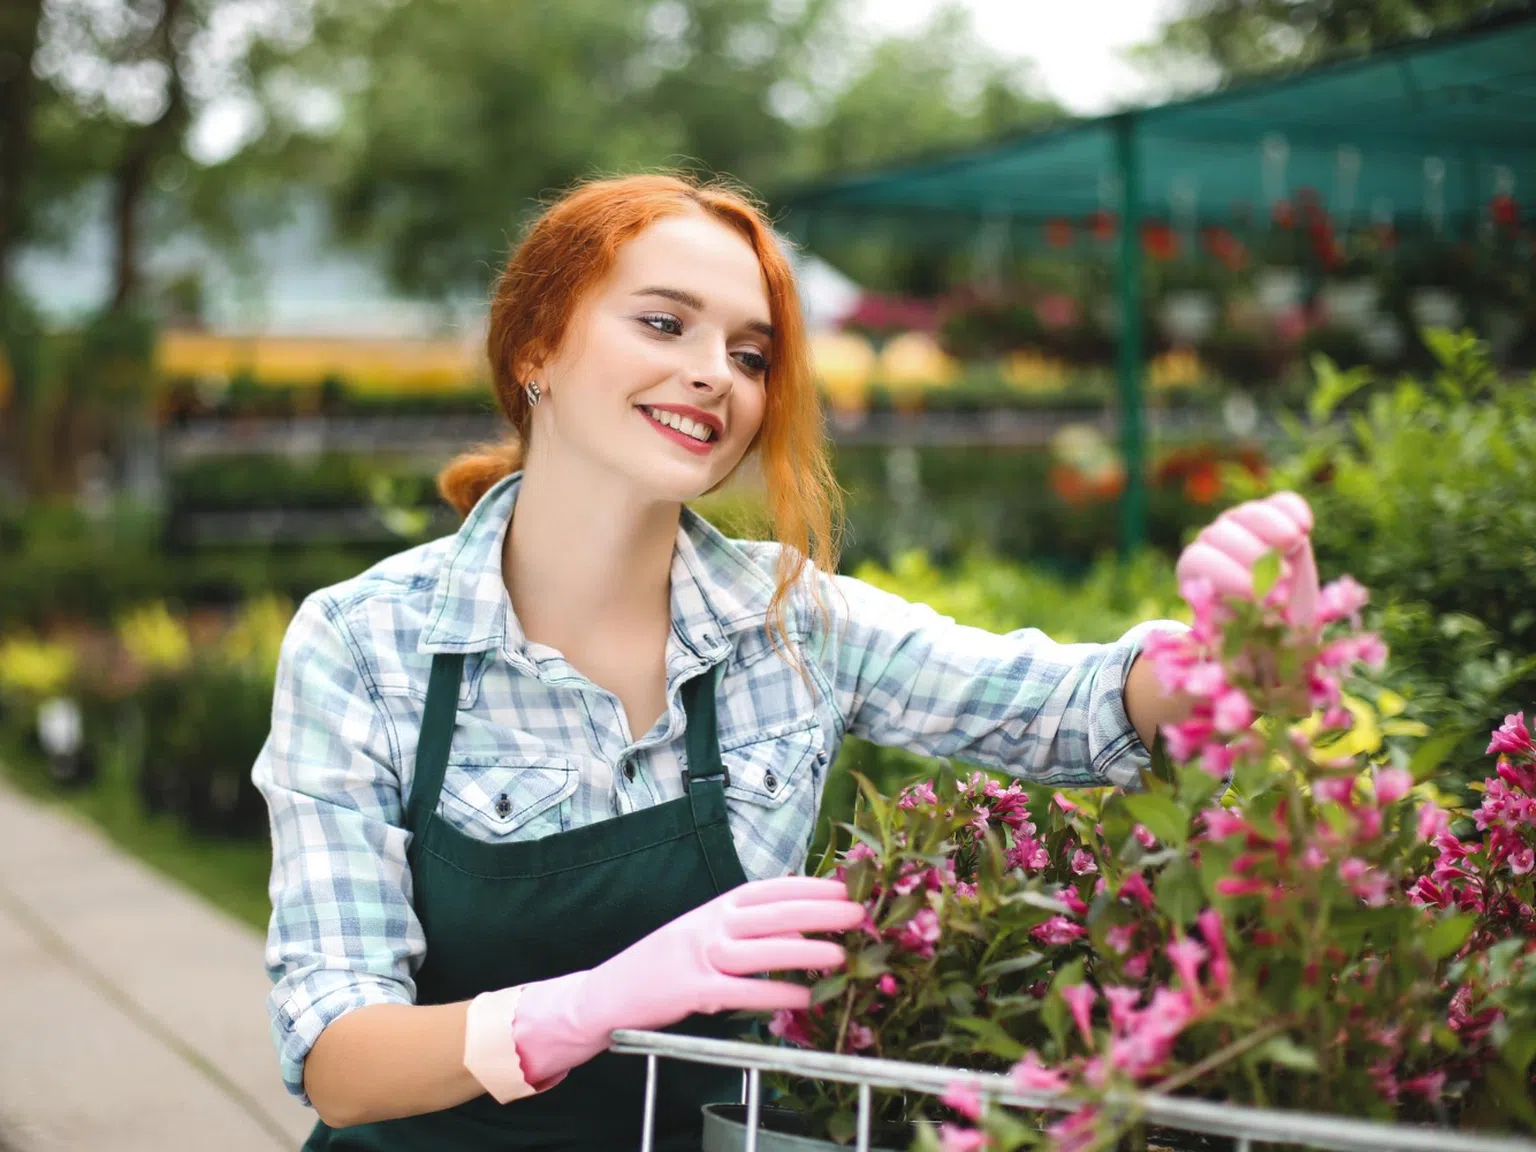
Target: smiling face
x=660, y=380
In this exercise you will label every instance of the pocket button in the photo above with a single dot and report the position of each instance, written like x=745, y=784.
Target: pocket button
x=503, y=806
x=770, y=782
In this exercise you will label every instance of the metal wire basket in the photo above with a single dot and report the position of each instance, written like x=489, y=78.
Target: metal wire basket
x=1243, y=1125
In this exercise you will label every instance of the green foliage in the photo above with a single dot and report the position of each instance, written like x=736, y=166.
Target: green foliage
x=1425, y=492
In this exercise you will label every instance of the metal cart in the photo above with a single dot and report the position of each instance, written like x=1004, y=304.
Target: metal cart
x=1244, y=1125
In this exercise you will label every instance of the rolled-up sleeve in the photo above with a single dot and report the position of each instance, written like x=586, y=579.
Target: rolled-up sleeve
x=1019, y=702
x=342, y=934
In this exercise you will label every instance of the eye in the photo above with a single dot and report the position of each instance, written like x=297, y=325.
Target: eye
x=754, y=362
x=661, y=322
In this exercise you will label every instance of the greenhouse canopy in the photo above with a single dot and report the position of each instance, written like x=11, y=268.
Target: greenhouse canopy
x=1427, y=135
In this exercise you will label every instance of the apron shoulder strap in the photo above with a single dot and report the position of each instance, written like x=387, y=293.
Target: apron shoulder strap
x=706, y=780
x=437, y=723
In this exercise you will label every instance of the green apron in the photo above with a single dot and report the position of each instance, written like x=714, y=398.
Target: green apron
x=496, y=915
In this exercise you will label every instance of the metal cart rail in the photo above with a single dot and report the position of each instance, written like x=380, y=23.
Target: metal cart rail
x=1244, y=1125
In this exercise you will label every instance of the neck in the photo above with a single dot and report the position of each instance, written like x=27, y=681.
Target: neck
x=582, y=556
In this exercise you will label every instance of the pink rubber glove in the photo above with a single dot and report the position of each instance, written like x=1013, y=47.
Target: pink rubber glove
x=525, y=1039
x=1225, y=551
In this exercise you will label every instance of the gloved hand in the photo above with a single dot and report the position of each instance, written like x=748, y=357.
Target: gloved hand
x=521, y=1040
x=1224, y=552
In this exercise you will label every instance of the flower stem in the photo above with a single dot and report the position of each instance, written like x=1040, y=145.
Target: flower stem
x=1220, y=1056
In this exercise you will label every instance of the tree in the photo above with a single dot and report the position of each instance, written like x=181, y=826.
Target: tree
x=1229, y=39
x=19, y=22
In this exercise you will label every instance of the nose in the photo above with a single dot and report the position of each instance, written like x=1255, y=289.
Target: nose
x=712, y=372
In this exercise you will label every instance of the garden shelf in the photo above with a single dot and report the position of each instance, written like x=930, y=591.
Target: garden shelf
x=1245, y=1126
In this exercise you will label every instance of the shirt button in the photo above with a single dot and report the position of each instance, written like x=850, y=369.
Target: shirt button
x=503, y=806
x=629, y=769
x=771, y=782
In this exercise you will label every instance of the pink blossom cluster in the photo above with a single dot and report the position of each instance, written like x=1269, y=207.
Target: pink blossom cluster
x=1493, y=877
x=1228, y=694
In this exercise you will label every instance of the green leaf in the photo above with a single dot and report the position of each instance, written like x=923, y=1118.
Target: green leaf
x=1431, y=753
x=1012, y=964
x=1162, y=816
x=842, y=1126
x=829, y=988
x=1333, y=387
x=1287, y=1053
x=991, y=1037
x=1266, y=571
x=1448, y=935
x=1178, y=891
x=1519, y=1050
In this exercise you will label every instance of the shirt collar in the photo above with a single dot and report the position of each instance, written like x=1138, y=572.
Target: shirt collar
x=717, y=591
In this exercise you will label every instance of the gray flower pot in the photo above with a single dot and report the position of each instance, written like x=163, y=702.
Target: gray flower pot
x=782, y=1130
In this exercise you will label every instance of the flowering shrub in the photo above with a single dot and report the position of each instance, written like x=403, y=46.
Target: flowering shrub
x=1275, y=918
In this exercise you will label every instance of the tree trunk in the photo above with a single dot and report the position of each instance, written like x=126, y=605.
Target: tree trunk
x=19, y=20
x=144, y=147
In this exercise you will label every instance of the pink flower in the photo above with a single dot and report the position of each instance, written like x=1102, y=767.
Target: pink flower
x=1135, y=887
x=859, y=1038
x=1522, y=861
x=1433, y=820
x=1186, y=956
x=887, y=985
x=1239, y=886
x=1075, y=1131
x=920, y=933
x=1430, y=1086
x=1063, y=803
x=1120, y=936
x=1186, y=740
x=1232, y=711
x=1340, y=598
x=964, y=1099
x=1211, y=928
x=793, y=1026
x=953, y=1138
x=918, y=794
x=1029, y=1075
x=1136, y=967
x=1083, y=863
x=1122, y=1006
x=1217, y=759
x=1079, y=999
x=1058, y=930
x=1144, y=836
x=1333, y=789
x=1392, y=784
x=1512, y=736
x=1223, y=822
x=965, y=890
x=1072, y=900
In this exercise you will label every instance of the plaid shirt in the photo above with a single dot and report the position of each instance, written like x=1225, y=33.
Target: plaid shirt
x=539, y=749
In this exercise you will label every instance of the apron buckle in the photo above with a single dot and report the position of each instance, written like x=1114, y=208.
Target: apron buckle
x=689, y=779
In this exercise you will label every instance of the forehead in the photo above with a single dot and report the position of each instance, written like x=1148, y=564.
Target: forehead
x=698, y=254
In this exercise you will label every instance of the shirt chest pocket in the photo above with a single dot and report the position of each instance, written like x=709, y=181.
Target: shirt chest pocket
x=771, y=768
x=499, y=797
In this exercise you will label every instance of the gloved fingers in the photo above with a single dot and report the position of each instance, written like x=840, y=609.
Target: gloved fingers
x=793, y=916
x=1236, y=541
x=787, y=888
x=774, y=954
x=1269, y=524
x=1227, y=576
x=1293, y=506
x=1300, y=572
x=737, y=993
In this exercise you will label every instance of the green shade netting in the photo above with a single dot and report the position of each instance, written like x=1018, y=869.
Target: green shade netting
x=1424, y=134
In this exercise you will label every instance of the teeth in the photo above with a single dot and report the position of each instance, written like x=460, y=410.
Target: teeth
x=683, y=424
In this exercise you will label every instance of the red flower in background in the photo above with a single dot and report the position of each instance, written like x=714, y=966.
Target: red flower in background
x=1504, y=210
x=1058, y=232
x=1283, y=214
x=1102, y=224
x=1159, y=241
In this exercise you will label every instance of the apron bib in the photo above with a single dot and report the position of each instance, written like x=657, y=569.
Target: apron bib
x=496, y=915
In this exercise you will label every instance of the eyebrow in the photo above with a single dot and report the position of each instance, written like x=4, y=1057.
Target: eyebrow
x=689, y=300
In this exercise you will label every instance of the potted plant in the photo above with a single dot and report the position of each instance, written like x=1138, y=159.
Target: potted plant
x=1286, y=914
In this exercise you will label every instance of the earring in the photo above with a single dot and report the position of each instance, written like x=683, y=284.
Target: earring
x=531, y=390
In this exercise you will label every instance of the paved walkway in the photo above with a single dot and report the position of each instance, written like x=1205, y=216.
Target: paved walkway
x=131, y=1012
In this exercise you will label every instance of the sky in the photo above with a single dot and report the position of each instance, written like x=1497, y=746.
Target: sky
x=1075, y=44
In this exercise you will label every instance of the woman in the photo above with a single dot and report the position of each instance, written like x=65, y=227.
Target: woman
x=555, y=775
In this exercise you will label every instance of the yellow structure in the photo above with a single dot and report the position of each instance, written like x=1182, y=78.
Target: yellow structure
x=364, y=365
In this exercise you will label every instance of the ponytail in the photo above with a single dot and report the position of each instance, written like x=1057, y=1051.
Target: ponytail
x=472, y=474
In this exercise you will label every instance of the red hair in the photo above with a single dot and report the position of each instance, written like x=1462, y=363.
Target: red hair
x=568, y=251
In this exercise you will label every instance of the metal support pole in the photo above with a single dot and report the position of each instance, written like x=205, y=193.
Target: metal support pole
x=1133, y=503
